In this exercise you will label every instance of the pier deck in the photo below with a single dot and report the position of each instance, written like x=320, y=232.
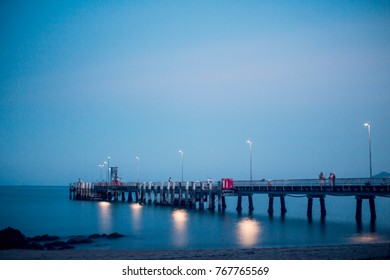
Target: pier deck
x=189, y=194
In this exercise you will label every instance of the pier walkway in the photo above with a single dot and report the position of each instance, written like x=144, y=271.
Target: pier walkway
x=190, y=194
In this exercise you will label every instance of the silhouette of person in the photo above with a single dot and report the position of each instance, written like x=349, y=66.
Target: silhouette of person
x=322, y=179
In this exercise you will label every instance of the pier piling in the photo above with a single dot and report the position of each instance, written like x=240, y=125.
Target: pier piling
x=322, y=204
x=310, y=207
x=359, y=202
x=130, y=197
x=239, y=203
x=250, y=202
x=372, y=208
x=270, y=204
x=223, y=202
x=283, y=208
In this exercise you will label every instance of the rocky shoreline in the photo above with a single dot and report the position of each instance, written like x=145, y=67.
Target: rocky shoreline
x=11, y=238
x=15, y=246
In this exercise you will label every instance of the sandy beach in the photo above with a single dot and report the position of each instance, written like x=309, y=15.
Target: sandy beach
x=342, y=252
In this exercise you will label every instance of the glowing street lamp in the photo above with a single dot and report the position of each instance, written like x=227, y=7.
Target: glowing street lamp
x=250, y=160
x=182, y=156
x=368, y=125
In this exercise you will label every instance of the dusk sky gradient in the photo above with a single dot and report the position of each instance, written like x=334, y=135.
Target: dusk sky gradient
x=84, y=80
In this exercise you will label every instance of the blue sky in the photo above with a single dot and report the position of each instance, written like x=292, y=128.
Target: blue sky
x=84, y=80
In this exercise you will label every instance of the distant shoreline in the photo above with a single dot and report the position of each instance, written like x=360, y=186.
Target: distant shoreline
x=376, y=251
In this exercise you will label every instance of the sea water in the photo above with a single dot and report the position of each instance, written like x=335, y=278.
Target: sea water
x=38, y=210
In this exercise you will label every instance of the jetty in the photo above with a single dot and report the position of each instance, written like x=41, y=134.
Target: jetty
x=212, y=194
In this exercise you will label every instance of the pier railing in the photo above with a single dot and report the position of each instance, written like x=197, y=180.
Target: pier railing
x=316, y=182
x=342, y=186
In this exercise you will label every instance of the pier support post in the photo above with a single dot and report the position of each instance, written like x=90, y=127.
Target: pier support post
x=359, y=202
x=201, y=202
x=372, y=208
x=164, y=196
x=150, y=193
x=161, y=193
x=130, y=197
x=310, y=207
x=239, y=203
x=155, y=195
x=322, y=204
x=210, y=200
x=143, y=200
x=270, y=204
x=170, y=194
x=193, y=195
x=223, y=202
x=201, y=205
x=283, y=208
x=250, y=202
x=173, y=193
x=123, y=196
x=104, y=195
x=186, y=194
x=180, y=194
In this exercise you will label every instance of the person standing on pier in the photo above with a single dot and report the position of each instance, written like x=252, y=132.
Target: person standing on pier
x=322, y=179
x=332, y=179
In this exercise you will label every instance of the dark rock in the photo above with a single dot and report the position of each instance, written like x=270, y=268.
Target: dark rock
x=11, y=238
x=94, y=236
x=54, y=245
x=43, y=238
x=35, y=246
x=79, y=240
x=115, y=235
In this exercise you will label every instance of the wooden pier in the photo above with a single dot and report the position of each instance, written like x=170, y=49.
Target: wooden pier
x=211, y=195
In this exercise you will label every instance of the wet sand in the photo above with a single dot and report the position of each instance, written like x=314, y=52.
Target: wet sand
x=377, y=251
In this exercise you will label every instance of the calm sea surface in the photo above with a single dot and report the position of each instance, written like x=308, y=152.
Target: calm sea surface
x=37, y=210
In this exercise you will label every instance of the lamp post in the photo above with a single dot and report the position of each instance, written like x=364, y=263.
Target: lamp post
x=137, y=158
x=250, y=160
x=108, y=169
x=101, y=171
x=368, y=125
x=182, y=156
x=105, y=164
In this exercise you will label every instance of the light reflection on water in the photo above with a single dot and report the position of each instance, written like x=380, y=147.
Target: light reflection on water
x=180, y=218
x=370, y=237
x=105, y=216
x=135, y=210
x=248, y=232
